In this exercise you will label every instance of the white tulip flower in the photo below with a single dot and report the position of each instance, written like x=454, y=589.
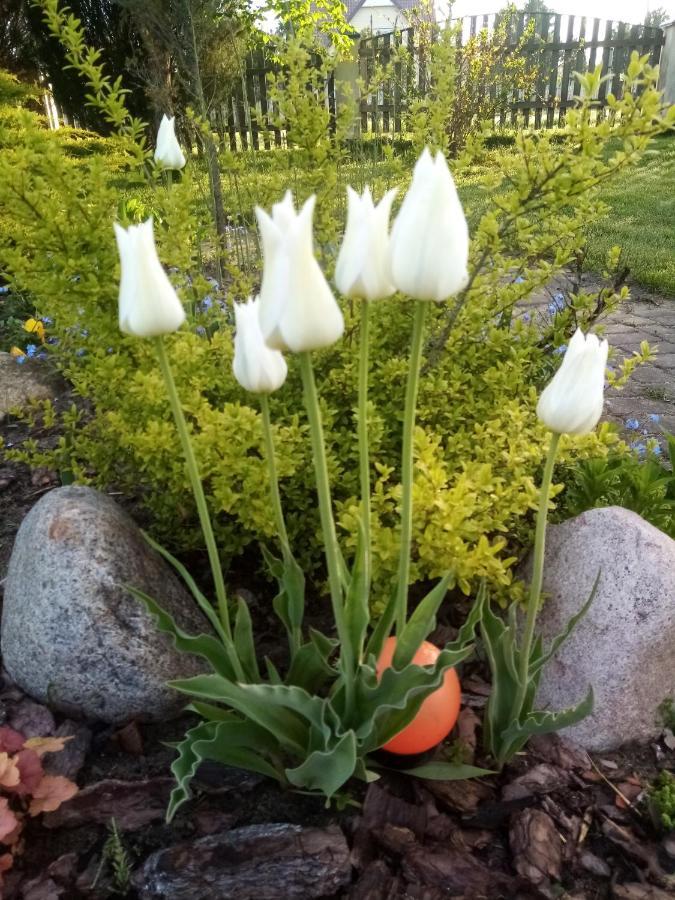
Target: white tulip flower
x=362, y=268
x=168, y=154
x=256, y=366
x=148, y=303
x=429, y=244
x=298, y=311
x=572, y=402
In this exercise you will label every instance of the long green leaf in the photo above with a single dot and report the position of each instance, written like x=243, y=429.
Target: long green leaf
x=328, y=770
x=203, y=603
x=253, y=703
x=244, y=643
x=357, y=599
x=545, y=722
x=289, y=603
x=539, y=662
x=234, y=743
x=310, y=667
x=445, y=771
x=420, y=624
x=204, y=645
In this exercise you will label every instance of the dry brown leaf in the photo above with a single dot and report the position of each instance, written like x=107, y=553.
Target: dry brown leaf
x=52, y=791
x=42, y=745
x=9, y=771
x=8, y=820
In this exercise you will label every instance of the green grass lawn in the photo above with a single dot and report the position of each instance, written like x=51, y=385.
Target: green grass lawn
x=641, y=220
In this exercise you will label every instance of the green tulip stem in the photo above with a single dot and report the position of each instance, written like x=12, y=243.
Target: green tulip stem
x=537, y=578
x=326, y=514
x=364, y=461
x=200, y=499
x=277, y=509
x=407, y=465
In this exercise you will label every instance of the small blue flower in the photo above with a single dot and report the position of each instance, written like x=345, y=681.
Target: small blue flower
x=212, y=281
x=4, y=289
x=632, y=424
x=200, y=330
x=557, y=304
x=80, y=352
x=47, y=321
x=41, y=355
x=654, y=417
x=639, y=447
x=558, y=351
x=84, y=332
x=206, y=303
x=518, y=279
x=21, y=359
x=31, y=349
x=656, y=450
x=53, y=341
x=527, y=318
x=110, y=350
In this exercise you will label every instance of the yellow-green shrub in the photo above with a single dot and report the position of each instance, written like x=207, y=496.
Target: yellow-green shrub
x=479, y=447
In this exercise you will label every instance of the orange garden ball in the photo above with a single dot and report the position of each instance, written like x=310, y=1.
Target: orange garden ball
x=437, y=715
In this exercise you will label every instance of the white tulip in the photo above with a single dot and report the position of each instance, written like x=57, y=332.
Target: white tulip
x=298, y=311
x=256, y=366
x=429, y=244
x=168, y=154
x=572, y=402
x=362, y=268
x=148, y=303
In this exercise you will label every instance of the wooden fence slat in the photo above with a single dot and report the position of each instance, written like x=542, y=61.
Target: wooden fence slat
x=555, y=72
x=617, y=61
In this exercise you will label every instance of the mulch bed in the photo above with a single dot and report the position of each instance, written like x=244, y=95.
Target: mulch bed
x=555, y=823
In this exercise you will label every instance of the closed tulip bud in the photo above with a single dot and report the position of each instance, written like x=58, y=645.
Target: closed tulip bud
x=256, y=366
x=429, y=244
x=572, y=402
x=168, y=154
x=362, y=268
x=148, y=303
x=298, y=311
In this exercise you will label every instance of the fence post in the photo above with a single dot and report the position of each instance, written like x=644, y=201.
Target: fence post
x=347, y=90
x=667, y=65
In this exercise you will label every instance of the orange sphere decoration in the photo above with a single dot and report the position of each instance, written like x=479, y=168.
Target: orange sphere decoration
x=437, y=714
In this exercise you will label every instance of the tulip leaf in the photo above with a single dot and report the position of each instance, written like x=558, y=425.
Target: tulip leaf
x=244, y=643
x=382, y=629
x=357, y=599
x=420, y=624
x=540, y=661
x=310, y=668
x=235, y=743
x=446, y=771
x=385, y=706
x=544, y=722
x=253, y=702
x=504, y=687
x=289, y=603
x=202, y=601
x=327, y=770
x=204, y=645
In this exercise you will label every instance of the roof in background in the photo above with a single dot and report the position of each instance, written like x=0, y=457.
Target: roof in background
x=354, y=5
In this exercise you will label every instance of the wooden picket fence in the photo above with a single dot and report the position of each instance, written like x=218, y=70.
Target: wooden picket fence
x=562, y=44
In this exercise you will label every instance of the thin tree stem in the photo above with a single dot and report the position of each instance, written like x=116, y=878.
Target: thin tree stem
x=407, y=464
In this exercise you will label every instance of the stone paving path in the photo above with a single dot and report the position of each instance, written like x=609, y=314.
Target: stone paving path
x=651, y=389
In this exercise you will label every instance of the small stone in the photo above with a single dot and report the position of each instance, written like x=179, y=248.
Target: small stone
x=21, y=383
x=31, y=719
x=260, y=862
x=623, y=646
x=72, y=635
x=69, y=761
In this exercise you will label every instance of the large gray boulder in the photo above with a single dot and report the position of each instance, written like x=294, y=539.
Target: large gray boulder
x=72, y=636
x=625, y=646
x=20, y=383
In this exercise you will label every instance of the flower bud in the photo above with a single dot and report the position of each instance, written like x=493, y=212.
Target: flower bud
x=572, y=402
x=362, y=268
x=256, y=366
x=148, y=303
x=168, y=154
x=298, y=311
x=429, y=244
